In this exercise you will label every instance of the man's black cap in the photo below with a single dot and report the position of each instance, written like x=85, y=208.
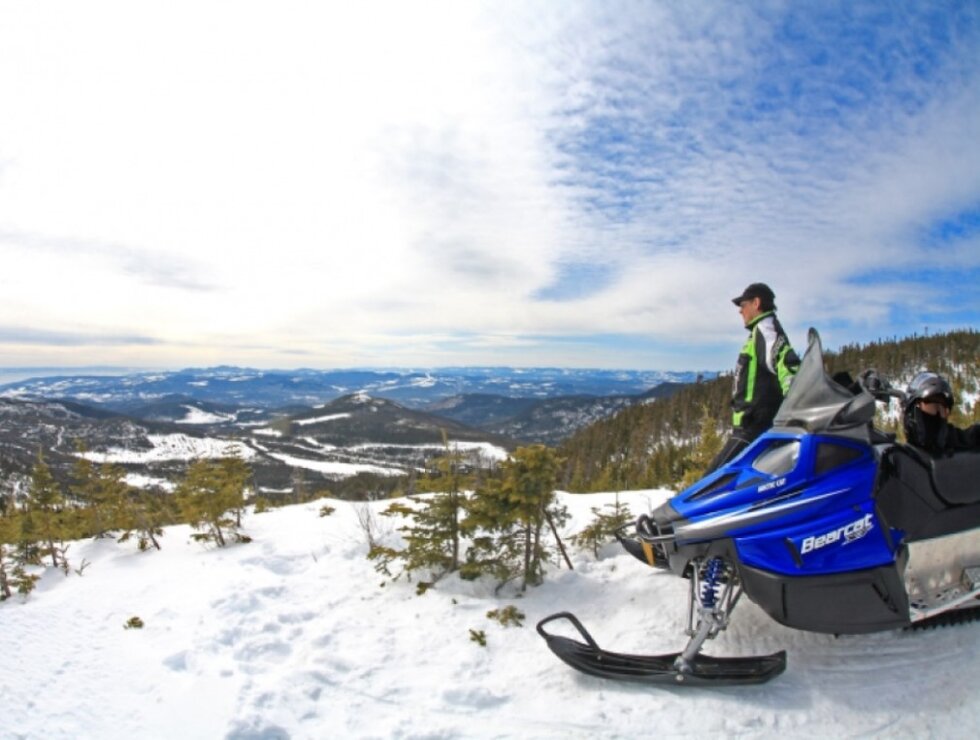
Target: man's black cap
x=756, y=290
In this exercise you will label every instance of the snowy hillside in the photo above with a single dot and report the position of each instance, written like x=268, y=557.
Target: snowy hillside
x=293, y=636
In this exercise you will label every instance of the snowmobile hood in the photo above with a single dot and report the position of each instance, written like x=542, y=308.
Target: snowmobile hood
x=815, y=403
x=789, y=478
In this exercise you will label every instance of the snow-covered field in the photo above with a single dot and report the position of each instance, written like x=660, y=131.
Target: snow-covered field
x=332, y=467
x=321, y=419
x=294, y=636
x=199, y=416
x=174, y=447
x=486, y=450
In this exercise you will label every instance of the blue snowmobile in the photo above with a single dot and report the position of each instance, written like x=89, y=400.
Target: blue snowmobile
x=825, y=522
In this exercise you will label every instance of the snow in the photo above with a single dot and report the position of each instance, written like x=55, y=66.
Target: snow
x=293, y=636
x=137, y=480
x=319, y=419
x=267, y=432
x=173, y=447
x=314, y=442
x=487, y=450
x=331, y=467
x=427, y=381
x=200, y=416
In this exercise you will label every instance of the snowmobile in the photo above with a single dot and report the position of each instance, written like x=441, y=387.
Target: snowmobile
x=825, y=522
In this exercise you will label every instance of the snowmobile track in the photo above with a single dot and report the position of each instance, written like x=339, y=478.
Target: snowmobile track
x=948, y=619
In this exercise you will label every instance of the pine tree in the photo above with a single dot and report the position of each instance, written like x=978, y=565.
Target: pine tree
x=603, y=526
x=445, y=508
x=432, y=538
x=144, y=515
x=8, y=534
x=45, y=503
x=14, y=558
x=211, y=498
x=103, y=492
x=507, y=518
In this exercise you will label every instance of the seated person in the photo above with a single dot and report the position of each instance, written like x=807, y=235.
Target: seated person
x=928, y=401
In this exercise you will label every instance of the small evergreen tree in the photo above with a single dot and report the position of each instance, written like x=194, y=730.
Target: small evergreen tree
x=103, y=492
x=46, y=503
x=8, y=533
x=432, y=538
x=508, y=516
x=144, y=515
x=603, y=526
x=211, y=498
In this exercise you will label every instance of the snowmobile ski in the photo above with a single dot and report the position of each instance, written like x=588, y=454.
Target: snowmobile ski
x=703, y=670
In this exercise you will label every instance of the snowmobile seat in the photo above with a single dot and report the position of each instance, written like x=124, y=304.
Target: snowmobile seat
x=957, y=477
x=928, y=497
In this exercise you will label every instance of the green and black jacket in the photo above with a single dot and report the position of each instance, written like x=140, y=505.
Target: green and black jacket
x=766, y=366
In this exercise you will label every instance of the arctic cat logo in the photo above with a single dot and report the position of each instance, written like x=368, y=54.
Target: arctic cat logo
x=849, y=532
x=774, y=484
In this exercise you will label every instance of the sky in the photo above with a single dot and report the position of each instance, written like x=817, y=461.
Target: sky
x=406, y=184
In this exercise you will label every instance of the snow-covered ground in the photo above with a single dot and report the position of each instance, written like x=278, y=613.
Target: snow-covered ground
x=294, y=636
x=174, y=447
x=321, y=419
x=136, y=480
x=200, y=416
x=334, y=467
x=486, y=450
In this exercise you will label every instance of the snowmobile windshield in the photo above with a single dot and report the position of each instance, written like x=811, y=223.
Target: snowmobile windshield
x=779, y=458
x=816, y=403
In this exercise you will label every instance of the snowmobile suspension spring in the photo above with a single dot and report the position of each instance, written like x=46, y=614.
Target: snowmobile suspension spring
x=711, y=582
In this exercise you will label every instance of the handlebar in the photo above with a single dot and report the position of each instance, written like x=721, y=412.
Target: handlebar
x=880, y=388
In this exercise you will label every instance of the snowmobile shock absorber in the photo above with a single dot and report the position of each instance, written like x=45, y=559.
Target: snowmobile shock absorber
x=710, y=619
x=711, y=582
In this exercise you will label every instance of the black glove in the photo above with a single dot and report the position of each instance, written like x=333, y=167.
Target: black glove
x=873, y=383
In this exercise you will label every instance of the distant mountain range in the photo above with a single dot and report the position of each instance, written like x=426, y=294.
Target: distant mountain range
x=525, y=405
x=303, y=428
x=270, y=389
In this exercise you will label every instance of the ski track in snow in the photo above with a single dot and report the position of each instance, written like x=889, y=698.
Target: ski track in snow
x=292, y=636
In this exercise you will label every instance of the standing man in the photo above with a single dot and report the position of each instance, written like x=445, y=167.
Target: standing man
x=766, y=365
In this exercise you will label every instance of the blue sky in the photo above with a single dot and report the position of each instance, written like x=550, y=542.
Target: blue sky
x=570, y=183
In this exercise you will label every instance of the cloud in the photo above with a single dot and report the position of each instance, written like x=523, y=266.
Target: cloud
x=342, y=181
x=155, y=269
x=24, y=335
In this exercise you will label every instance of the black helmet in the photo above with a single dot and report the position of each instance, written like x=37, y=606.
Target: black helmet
x=926, y=430
x=928, y=385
